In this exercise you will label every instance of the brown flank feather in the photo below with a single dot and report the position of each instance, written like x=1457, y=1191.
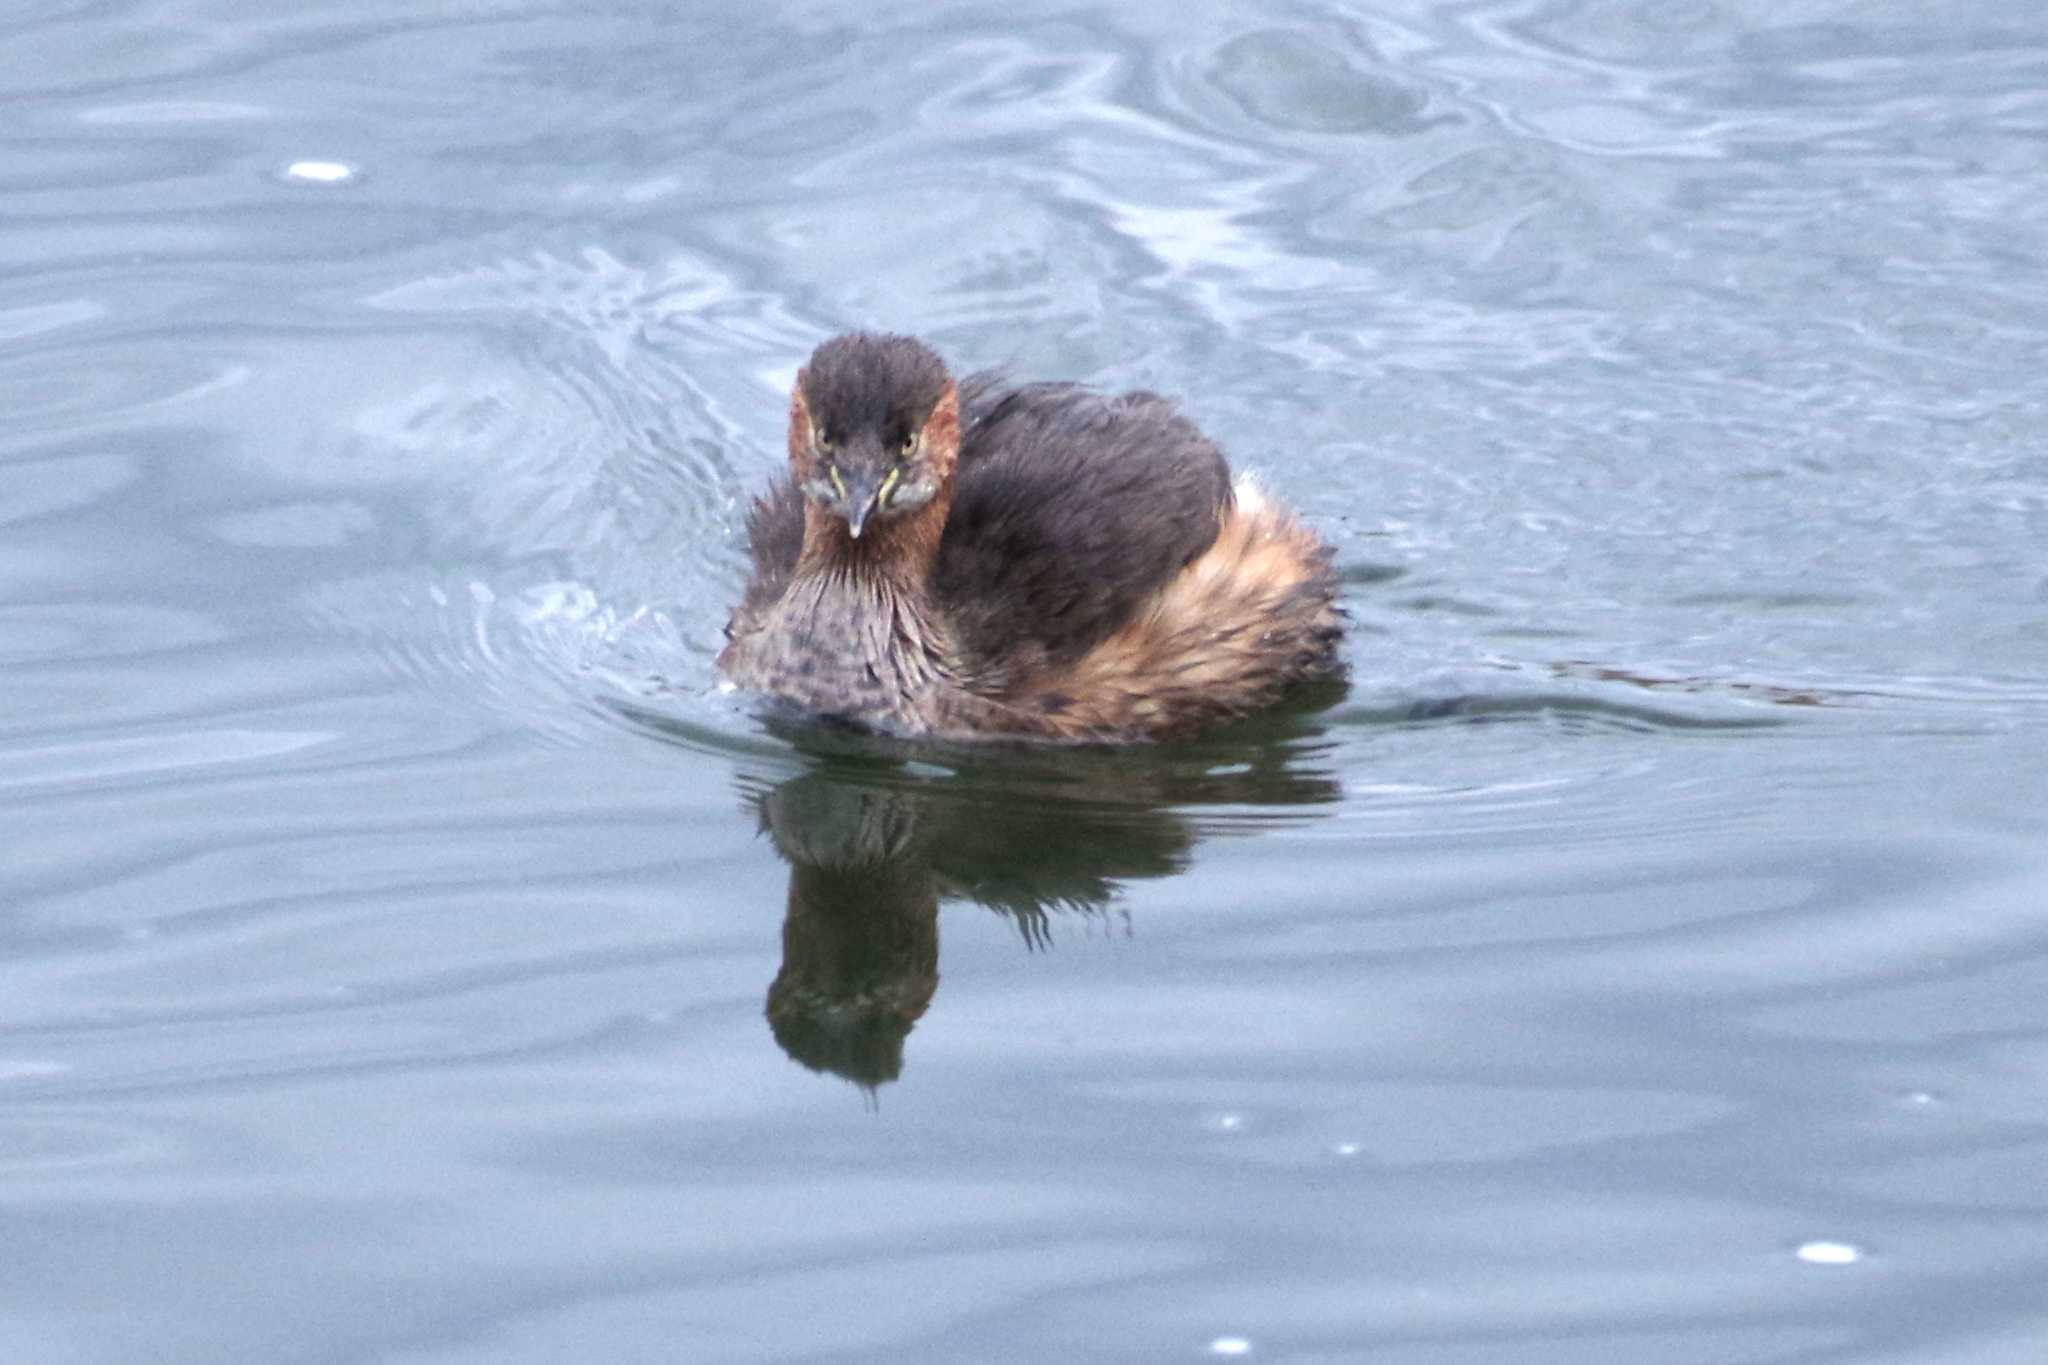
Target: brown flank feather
x=1229, y=634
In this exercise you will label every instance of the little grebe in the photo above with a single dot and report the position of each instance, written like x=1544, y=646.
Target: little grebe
x=982, y=559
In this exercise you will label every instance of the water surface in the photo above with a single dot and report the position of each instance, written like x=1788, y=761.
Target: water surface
x=410, y=955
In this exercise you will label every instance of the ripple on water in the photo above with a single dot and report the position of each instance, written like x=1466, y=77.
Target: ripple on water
x=569, y=489
x=80, y=631
x=96, y=761
x=41, y=488
x=297, y=525
x=51, y=389
x=551, y=655
x=1298, y=81
x=50, y=1146
x=28, y=320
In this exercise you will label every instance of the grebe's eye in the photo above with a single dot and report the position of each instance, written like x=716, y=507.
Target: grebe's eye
x=822, y=441
x=909, y=445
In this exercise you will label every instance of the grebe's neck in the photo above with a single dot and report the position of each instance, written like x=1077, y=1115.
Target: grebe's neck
x=893, y=552
x=857, y=633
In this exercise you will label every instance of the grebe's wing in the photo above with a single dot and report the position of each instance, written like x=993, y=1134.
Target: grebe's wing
x=775, y=536
x=1070, y=509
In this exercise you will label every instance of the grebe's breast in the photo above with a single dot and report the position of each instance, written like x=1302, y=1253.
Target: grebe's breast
x=841, y=646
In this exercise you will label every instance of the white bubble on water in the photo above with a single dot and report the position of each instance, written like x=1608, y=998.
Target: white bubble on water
x=320, y=172
x=1230, y=1346
x=1828, y=1253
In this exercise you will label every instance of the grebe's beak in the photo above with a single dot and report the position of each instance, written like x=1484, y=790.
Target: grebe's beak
x=863, y=494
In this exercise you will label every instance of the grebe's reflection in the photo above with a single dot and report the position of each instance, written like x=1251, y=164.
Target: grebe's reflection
x=874, y=846
x=860, y=938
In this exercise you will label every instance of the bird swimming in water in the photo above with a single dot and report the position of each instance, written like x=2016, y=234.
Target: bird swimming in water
x=981, y=559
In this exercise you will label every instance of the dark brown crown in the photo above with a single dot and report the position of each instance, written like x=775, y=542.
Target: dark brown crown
x=866, y=383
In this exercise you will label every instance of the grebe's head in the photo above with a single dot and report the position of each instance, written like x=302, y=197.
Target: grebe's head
x=874, y=428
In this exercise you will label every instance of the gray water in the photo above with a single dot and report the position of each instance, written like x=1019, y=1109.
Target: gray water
x=411, y=956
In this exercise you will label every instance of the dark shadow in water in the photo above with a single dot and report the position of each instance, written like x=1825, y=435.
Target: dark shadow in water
x=1600, y=695
x=876, y=840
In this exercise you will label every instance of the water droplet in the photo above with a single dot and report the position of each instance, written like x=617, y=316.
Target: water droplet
x=320, y=172
x=1347, y=1149
x=1829, y=1253
x=1230, y=1346
x=1227, y=1123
